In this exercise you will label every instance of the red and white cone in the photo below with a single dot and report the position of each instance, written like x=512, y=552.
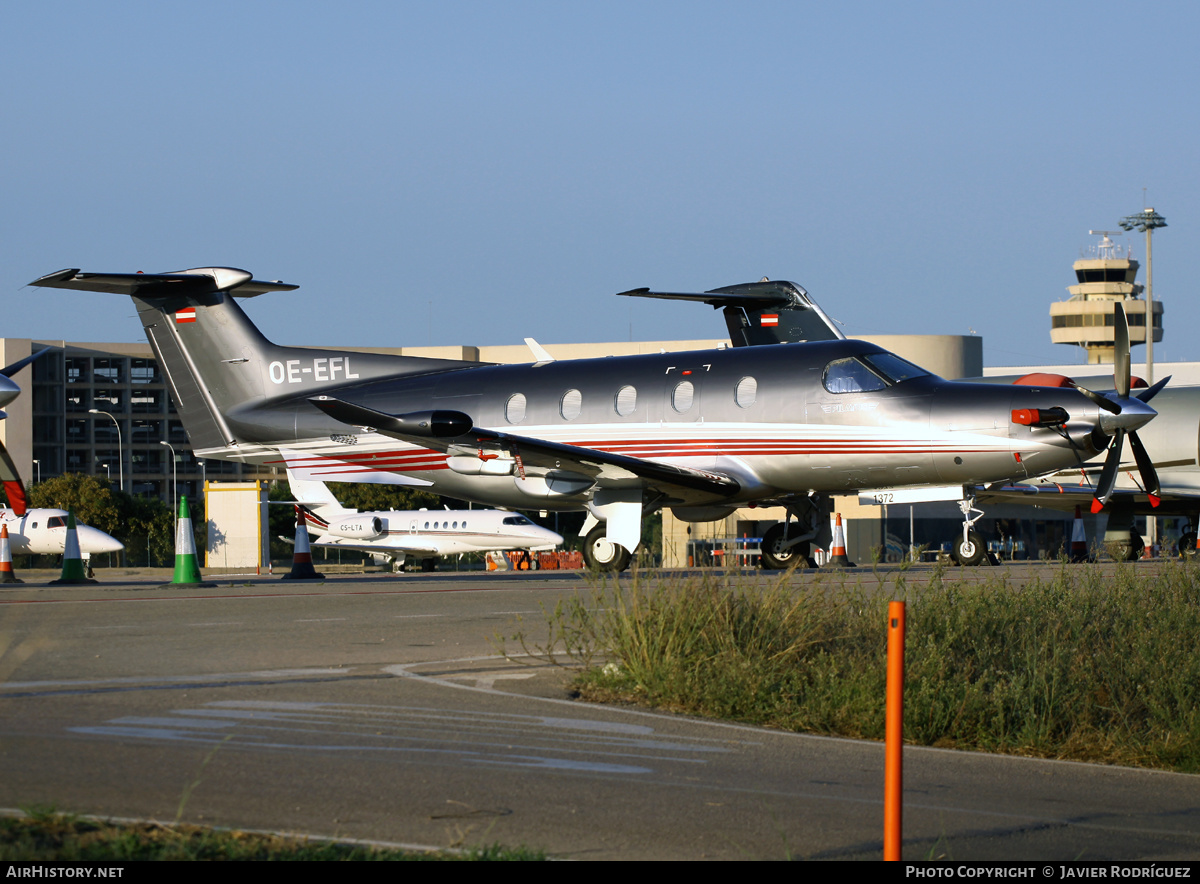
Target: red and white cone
x=302, y=566
x=1079, y=550
x=6, y=565
x=837, y=550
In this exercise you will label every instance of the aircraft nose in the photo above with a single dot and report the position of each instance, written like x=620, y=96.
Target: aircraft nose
x=1134, y=414
x=93, y=540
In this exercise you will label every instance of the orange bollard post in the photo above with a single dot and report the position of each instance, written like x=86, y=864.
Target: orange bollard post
x=893, y=779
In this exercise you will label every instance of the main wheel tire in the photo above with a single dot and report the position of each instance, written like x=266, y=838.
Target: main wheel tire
x=774, y=557
x=970, y=551
x=601, y=554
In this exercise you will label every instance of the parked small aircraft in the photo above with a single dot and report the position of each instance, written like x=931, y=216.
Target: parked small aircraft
x=702, y=432
x=43, y=532
x=425, y=535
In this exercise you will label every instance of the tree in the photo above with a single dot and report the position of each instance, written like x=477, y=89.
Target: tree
x=371, y=497
x=91, y=498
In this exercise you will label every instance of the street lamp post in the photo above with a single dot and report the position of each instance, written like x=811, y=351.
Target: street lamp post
x=1147, y=221
x=120, y=447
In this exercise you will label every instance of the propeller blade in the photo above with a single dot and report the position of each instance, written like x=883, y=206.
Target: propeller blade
x=1103, y=401
x=1145, y=468
x=9, y=370
x=1108, y=475
x=1148, y=394
x=1121, y=369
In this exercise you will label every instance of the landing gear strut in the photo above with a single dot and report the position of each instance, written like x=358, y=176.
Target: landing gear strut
x=969, y=548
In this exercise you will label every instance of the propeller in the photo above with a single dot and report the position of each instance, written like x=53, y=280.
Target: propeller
x=1127, y=414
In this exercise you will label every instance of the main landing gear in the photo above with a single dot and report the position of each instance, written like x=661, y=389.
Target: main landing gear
x=787, y=543
x=602, y=554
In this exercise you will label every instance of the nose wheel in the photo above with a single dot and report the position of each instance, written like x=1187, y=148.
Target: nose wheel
x=968, y=550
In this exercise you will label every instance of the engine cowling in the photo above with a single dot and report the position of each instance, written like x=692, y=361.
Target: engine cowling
x=357, y=528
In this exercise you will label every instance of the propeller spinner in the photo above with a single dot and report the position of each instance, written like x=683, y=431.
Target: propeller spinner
x=1125, y=414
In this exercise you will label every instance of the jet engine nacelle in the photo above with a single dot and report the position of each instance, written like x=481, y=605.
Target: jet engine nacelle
x=357, y=528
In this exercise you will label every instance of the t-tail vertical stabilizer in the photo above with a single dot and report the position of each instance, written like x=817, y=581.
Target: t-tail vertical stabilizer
x=216, y=361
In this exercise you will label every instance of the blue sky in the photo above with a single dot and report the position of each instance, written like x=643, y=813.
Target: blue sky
x=466, y=172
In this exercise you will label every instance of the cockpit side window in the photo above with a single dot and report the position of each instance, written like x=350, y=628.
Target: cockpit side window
x=894, y=368
x=851, y=376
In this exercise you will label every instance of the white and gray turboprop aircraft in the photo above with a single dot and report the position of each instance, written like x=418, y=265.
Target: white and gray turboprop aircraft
x=425, y=535
x=702, y=432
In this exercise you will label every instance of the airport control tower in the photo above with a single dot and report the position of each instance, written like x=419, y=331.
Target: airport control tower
x=1103, y=276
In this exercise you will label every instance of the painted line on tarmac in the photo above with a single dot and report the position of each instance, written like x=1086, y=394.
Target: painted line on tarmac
x=268, y=595
x=119, y=684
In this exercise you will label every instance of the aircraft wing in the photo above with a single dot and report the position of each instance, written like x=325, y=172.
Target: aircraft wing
x=411, y=547
x=603, y=467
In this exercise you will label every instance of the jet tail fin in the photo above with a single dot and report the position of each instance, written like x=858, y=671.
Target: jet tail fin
x=314, y=495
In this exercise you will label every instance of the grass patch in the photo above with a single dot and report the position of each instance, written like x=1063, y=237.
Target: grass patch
x=45, y=835
x=1083, y=663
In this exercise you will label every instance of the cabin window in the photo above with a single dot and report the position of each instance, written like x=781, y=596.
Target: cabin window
x=571, y=405
x=514, y=409
x=426, y=526
x=851, y=376
x=626, y=401
x=746, y=392
x=682, y=396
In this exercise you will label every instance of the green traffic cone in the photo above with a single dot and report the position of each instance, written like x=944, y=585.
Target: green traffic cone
x=187, y=569
x=73, y=571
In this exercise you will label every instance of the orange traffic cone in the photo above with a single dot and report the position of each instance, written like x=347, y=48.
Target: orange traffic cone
x=1079, y=551
x=302, y=566
x=837, y=550
x=6, y=566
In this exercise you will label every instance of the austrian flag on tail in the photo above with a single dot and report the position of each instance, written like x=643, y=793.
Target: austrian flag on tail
x=769, y=319
x=187, y=314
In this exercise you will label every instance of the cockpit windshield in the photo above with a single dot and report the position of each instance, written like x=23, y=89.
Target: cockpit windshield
x=868, y=373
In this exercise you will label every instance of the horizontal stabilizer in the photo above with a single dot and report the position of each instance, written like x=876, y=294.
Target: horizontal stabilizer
x=199, y=281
